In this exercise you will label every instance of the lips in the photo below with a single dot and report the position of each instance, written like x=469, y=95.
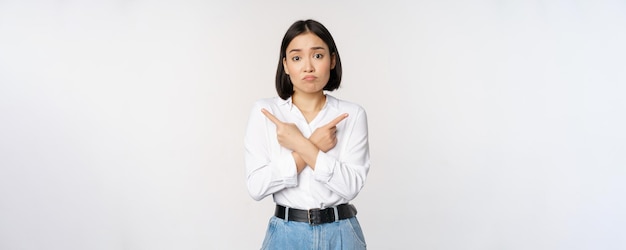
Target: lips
x=309, y=78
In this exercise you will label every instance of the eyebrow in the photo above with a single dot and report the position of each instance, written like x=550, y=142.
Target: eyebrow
x=312, y=48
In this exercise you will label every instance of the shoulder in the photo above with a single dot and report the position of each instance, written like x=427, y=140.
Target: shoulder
x=345, y=106
x=269, y=102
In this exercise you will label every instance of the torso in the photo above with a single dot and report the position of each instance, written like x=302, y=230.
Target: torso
x=309, y=116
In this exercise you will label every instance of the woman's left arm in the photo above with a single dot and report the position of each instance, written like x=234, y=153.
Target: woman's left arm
x=346, y=175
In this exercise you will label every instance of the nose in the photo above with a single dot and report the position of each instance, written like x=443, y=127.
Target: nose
x=308, y=66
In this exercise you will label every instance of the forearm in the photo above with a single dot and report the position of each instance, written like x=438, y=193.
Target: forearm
x=300, y=164
x=307, y=151
x=346, y=179
x=266, y=176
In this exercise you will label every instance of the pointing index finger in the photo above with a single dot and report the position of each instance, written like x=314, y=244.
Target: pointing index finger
x=271, y=117
x=337, y=120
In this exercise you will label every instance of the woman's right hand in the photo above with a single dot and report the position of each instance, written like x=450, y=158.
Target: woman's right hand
x=288, y=134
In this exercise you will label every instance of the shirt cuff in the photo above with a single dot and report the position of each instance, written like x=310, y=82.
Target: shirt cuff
x=287, y=169
x=324, y=167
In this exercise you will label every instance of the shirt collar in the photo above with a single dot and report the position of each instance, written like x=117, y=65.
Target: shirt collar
x=280, y=102
x=331, y=102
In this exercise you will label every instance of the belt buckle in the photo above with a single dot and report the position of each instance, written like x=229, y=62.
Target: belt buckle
x=316, y=218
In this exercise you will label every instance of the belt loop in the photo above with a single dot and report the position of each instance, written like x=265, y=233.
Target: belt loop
x=336, y=213
x=286, y=214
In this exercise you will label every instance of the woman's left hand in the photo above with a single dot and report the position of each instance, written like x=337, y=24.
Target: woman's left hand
x=325, y=137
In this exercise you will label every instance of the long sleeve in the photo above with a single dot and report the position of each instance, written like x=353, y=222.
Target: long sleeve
x=269, y=168
x=345, y=175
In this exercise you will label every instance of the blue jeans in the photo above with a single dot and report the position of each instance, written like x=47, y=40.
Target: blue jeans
x=344, y=234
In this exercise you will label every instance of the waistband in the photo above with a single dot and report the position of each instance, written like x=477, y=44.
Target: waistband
x=316, y=216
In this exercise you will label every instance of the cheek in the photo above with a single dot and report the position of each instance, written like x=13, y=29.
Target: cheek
x=291, y=79
x=325, y=66
x=292, y=68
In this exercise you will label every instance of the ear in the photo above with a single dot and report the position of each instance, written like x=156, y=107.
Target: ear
x=333, y=61
x=285, y=66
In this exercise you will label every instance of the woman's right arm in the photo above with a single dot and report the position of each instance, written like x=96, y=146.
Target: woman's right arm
x=269, y=168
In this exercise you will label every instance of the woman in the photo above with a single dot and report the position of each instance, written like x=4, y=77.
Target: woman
x=307, y=148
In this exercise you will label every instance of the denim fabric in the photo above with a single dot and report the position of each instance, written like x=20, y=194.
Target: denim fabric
x=340, y=235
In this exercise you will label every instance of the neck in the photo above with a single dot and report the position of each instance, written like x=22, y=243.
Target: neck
x=309, y=102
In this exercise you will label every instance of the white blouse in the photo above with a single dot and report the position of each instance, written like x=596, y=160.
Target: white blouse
x=339, y=173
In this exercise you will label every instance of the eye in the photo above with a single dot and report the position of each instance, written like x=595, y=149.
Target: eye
x=318, y=56
x=296, y=58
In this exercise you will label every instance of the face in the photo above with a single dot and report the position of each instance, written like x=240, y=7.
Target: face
x=308, y=63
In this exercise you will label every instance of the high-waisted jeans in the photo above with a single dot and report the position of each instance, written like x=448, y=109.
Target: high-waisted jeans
x=339, y=235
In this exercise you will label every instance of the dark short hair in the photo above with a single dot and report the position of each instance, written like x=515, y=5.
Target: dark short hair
x=284, y=87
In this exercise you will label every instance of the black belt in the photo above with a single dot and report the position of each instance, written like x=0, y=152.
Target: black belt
x=316, y=216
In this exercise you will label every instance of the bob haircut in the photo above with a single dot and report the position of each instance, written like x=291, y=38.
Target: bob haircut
x=284, y=87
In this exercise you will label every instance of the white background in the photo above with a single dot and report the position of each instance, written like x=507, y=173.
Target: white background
x=493, y=124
